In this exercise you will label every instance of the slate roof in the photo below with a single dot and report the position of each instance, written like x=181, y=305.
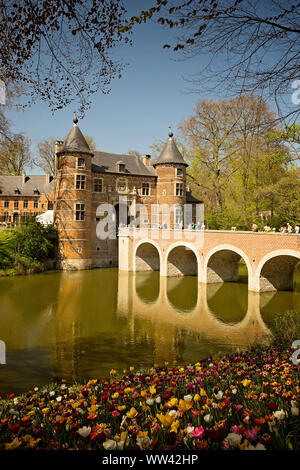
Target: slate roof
x=170, y=154
x=191, y=198
x=9, y=184
x=105, y=162
x=75, y=142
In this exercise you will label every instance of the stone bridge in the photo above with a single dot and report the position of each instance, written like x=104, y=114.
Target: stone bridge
x=213, y=256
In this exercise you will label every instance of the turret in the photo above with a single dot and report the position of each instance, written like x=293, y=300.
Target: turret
x=73, y=200
x=170, y=168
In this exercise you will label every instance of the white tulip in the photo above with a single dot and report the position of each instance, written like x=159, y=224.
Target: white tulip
x=280, y=414
x=188, y=398
x=84, y=431
x=233, y=439
x=208, y=418
x=110, y=444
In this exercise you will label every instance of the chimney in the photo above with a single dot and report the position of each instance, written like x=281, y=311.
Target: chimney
x=23, y=177
x=47, y=178
x=146, y=160
x=58, y=146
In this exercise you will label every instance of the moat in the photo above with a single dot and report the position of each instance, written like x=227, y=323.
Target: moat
x=80, y=325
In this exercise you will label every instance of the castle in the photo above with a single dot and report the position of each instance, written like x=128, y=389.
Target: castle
x=85, y=180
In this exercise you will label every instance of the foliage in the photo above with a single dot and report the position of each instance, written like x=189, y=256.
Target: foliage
x=46, y=156
x=24, y=249
x=286, y=328
x=15, y=154
x=241, y=164
x=61, y=51
x=244, y=401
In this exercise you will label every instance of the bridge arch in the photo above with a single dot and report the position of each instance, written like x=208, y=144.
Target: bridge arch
x=182, y=259
x=275, y=270
x=222, y=262
x=147, y=256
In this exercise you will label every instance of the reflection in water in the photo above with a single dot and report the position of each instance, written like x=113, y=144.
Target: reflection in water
x=79, y=325
x=182, y=292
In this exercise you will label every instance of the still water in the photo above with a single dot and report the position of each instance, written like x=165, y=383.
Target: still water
x=80, y=325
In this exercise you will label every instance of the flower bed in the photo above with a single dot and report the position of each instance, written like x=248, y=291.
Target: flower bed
x=241, y=401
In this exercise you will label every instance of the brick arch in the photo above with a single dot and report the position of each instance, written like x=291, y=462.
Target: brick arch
x=147, y=262
x=225, y=264
x=275, y=270
x=182, y=265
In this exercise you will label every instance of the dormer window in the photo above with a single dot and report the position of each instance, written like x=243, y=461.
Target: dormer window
x=36, y=191
x=17, y=191
x=121, y=167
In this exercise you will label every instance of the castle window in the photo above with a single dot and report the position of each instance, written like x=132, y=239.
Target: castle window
x=6, y=215
x=179, y=172
x=36, y=191
x=36, y=204
x=121, y=167
x=80, y=162
x=145, y=189
x=17, y=191
x=6, y=204
x=178, y=215
x=25, y=204
x=79, y=211
x=98, y=185
x=80, y=181
x=16, y=205
x=179, y=189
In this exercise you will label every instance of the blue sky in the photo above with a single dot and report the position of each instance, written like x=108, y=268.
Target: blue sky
x=151, y=95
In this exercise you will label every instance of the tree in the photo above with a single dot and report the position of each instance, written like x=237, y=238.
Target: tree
x=90, y=141
x=15, y=155
x=208, y=133
x=60, y=51
x=252, y=46
x=239, y=160
x=46, y=157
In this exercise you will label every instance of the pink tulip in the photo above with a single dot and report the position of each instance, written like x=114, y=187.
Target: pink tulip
x=198, y=432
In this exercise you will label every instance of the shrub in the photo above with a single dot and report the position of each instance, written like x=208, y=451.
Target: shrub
x=35, y=241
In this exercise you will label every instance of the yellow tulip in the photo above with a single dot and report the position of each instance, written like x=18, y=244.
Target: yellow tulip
x=13, y=445
x=202, y=392
x=174, y=427
x=152, y=390
x=185, y=406
x=132, y=413
x=246, y=382
x=173, y=402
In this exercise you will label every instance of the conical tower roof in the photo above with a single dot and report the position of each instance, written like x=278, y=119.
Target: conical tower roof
x=170, y=154
x=75, y=141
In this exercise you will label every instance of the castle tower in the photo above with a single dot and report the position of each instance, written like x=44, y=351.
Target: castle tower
x=170, y=168
x=73, y=200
